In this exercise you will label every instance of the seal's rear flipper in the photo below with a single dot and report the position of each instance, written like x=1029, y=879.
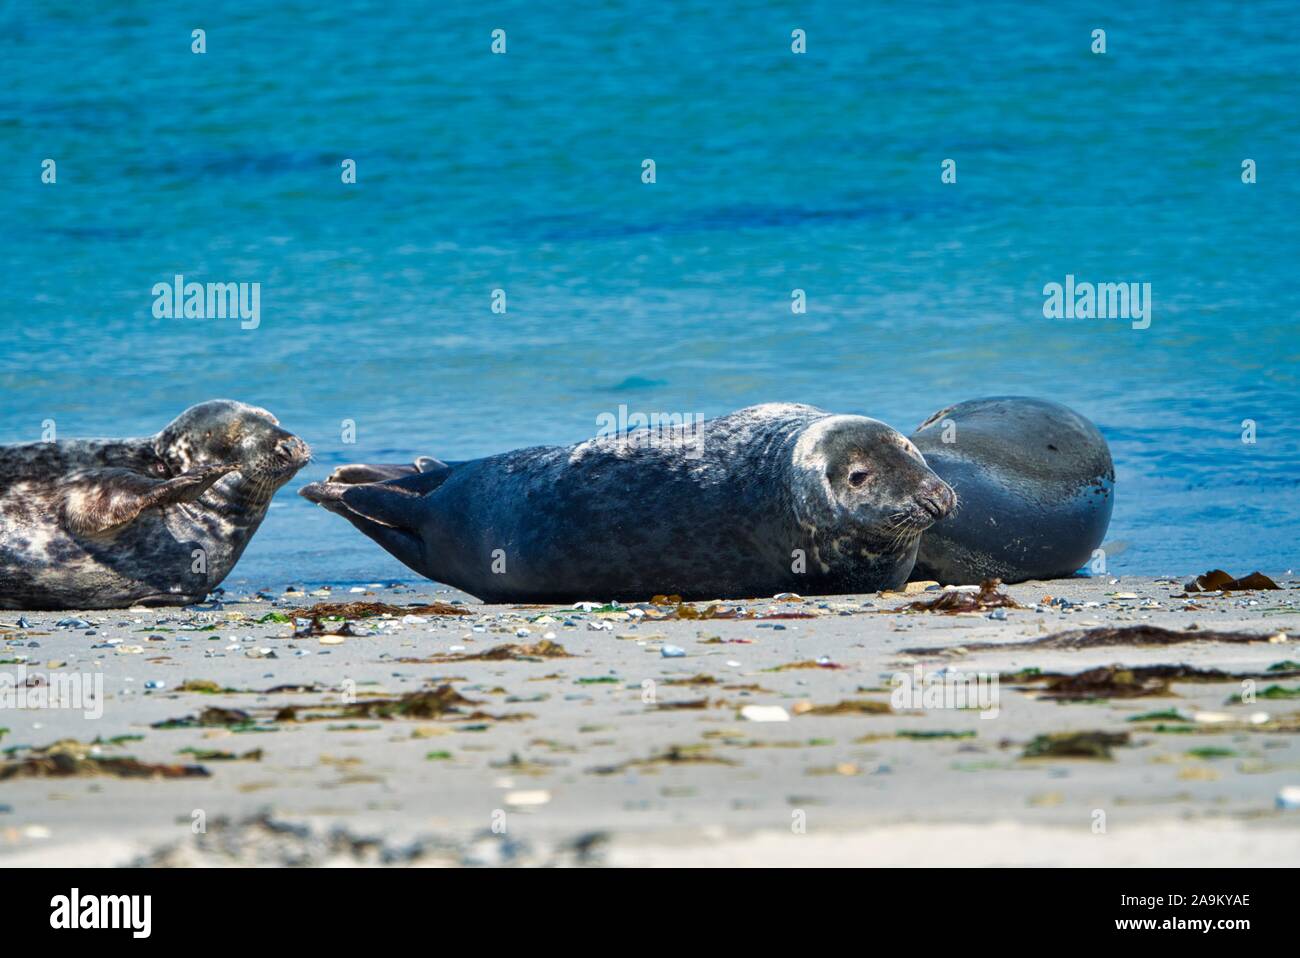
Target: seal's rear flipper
x=100, y=501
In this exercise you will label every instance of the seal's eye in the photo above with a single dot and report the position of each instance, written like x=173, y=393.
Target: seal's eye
x=159, y=468
x=858, y=478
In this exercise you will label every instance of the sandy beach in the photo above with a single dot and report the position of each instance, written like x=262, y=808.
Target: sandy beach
x=765, y=732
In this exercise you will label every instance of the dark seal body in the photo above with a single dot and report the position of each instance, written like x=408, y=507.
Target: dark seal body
x=769, y=499
x=1035, y=486
x=107, y=523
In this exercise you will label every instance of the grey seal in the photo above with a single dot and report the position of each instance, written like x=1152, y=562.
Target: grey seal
x=773, y=498
x=107, y=523
x=1036, y=485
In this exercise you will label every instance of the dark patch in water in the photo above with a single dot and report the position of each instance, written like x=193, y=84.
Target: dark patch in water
x=113, y=233
x=722, y=219
x=243, y=163
x=634, y=383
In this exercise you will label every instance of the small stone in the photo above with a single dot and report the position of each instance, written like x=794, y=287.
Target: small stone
x=1289, y=797
x=764, y=713
x=527, y=799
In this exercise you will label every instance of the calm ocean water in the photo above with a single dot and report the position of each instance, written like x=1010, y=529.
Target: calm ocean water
x=774, y=172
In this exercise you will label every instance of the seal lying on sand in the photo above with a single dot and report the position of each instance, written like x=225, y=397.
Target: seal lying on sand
x=769, y=499
x=105, y=523
x=1036, y=485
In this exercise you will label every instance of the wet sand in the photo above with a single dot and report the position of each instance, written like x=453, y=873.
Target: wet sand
x=618, y=754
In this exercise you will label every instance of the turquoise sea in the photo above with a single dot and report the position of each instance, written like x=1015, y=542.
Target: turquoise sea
x=774, y=171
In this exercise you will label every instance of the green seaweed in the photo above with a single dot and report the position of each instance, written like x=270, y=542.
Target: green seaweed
x=1032, y=672
x=234, y=719
x=1211, y=752
x=1272, y=692
x=1090, y=745
x=117, y=739
x=205, y=686
x=1172, y=715
x=213, y=755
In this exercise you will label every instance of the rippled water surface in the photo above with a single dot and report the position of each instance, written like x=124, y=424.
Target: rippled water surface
x=774, y=172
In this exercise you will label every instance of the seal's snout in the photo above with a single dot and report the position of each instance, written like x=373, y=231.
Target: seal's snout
x=293, y=451
x=936, y=499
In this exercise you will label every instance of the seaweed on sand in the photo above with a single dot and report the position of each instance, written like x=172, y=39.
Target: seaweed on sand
x=675, y=755
x=209, y=717
x=424, y=704
x=1133, y=636
x=846, y=707
x=313, y=618
x=1123, y=682
x=1094, y=745
x=367, y=610
x=1216, y=580
x=954, y=601
x=69, y=759
x=510, y=652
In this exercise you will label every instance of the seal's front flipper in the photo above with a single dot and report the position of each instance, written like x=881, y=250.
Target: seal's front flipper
x=189, y=486
x=359, y=473
x=385, y=513
x=385, y=503
x=95, y=503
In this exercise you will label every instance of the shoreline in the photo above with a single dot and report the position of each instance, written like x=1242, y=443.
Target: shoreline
x=620, y=751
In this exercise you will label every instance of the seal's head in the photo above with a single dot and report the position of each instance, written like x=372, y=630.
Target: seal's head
x=861, y=473
x=224, y=432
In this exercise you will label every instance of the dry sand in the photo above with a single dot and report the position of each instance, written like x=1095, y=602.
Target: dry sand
x=610, y=757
